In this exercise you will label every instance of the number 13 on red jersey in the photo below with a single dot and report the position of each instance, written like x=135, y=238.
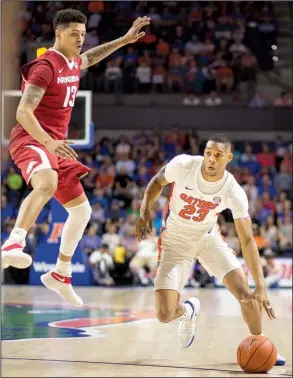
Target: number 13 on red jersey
x=70, y=96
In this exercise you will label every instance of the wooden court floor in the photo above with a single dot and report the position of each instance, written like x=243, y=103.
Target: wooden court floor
x=116, y=335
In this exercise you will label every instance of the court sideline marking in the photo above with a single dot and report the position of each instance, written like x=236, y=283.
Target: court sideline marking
x=132, y=364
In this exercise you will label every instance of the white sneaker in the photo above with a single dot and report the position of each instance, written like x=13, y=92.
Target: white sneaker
x=281, y=361
x=12, y=254
x=62, y=285
x=186, y=328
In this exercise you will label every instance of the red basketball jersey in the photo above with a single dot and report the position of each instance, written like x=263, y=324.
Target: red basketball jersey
x=59, y=77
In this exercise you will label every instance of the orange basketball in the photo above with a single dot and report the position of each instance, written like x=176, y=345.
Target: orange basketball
x=256, y=354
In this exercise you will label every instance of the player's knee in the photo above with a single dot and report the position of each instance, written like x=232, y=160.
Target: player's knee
x=165, y=314
x=79, y=216
x=86, y=212
x=45, y=182
x=47, y=188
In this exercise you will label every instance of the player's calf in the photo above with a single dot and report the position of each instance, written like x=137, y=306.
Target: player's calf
x=167, y=307
x=59, y=279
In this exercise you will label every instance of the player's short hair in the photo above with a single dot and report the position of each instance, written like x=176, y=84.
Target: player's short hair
x=221, y=138
x=66, y=16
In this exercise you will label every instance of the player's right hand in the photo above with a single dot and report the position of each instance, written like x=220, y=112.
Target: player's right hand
x=144, y=226
x=62, y=149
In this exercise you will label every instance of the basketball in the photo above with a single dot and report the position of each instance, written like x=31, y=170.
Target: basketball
x=256, y=354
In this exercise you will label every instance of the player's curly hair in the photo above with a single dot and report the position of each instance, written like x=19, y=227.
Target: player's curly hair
x=220, y=138
x=65, y=16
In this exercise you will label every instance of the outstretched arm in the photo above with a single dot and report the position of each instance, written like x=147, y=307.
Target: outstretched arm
x=153, y=191
x=96, y=54
x=251, y=256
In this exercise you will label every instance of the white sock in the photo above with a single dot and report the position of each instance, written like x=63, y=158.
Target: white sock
x=64, y=267
x=18, y=234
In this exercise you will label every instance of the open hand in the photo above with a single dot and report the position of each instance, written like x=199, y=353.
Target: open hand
x=144, y=226
x=261, y=296
x=62, y=149
x=134, y=32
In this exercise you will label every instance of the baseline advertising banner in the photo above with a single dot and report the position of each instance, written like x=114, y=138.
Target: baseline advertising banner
x=47, y=252
x=286, y=273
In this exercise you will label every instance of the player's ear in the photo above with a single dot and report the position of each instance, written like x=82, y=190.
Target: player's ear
x=230, y=157
x=57, y=34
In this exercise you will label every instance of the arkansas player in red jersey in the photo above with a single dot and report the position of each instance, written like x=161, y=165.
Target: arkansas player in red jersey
x=39, y=147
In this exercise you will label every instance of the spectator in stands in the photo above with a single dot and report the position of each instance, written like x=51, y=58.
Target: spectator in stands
x=115, y=214
x=7, y=211
x=269, y=230
x=258, y=101
x=251, y=192
x=129, y=241
x=159, y=76
x=248, y=69
x=267, y=158
x=285, y=234
x=98, y=213
x=125, y=165
x=272, y=270
x=283, y=180
x=232, y=239
x=224, y=79
x=238, y=48
x=162, y=48
x=101, y=264
x=94, y=19
x=90, y=240
x=175, y=77
x=91, y=40
x=144, y=77
x=113, y=77
x=194, y=46
x=144, y=262
x=266, y=185
x=111, y=237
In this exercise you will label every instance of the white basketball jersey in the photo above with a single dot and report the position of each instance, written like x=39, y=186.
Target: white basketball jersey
x=189, y=207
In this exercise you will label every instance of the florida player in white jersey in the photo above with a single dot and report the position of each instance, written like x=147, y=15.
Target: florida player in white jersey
x=201, y=188
x=38, y=144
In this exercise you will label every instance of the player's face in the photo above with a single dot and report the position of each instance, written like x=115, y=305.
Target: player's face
x=71, y=38
x=216, y=158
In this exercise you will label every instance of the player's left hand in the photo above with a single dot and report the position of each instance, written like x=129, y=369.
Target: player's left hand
x=260, y=294
x=134, y=32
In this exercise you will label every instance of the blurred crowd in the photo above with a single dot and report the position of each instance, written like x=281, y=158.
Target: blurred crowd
x=197, y=47
x=120, y=171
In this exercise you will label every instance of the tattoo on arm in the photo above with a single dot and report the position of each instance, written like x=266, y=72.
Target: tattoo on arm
x=96, y=54
x=31, y=97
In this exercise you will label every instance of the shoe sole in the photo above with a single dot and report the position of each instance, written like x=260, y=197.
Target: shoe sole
x=8, y=259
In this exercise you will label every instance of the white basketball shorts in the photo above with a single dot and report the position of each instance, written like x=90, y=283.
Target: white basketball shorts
x=177, y=252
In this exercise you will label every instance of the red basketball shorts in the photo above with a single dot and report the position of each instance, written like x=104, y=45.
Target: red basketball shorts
x=32, y=157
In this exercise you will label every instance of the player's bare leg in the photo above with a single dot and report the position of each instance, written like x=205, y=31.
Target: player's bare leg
x=44, y=183
x=59, y=279
x=168, y=308
x=167, y=305
x=237, y=283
